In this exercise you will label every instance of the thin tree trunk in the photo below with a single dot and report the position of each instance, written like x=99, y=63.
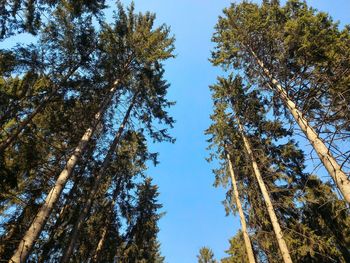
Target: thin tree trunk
x=109, y=217
x=96, y=255
x=100, y=244
x=79, y=222
x=334, y=169
x=54, y=234
x=274, y=221
x=27, y=242
x=247, y=242
x=22, y=125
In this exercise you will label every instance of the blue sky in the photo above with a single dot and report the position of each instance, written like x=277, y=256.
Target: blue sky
x=195, y=216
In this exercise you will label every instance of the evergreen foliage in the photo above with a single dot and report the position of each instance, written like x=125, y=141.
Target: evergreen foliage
x=79, y=78
x=300, y=49
x=81, y=103
x=206, y=255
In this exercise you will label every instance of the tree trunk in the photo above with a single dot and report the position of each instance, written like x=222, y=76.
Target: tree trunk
x=22, y=125
x=340, y=178
x=96, y=255
x=9, y=242
x=55, y=233
x=27, y=242
x=248, y=244
x=107, y=223
x=78, y=224
x=274, y=221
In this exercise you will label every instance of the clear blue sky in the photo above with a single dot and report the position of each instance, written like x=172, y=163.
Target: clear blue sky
x=195, y=216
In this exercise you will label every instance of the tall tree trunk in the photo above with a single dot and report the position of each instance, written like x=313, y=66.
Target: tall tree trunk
x=96, y=255
x=55, y=235
x=274, y=221
x=100, y=244
x=108, y=220
x=247, y=242
x=334, y=169
x=27, y=242
x=79, y=222
x=22, y=125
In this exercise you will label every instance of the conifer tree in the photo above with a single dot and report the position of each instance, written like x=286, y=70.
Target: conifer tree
x=51, y=67
x=206, y=255
x=18, y=16
x=237, y=253
x=141, y=240
x=276, y=50
x=281, y=166
x=116, y=66
x=247, y=242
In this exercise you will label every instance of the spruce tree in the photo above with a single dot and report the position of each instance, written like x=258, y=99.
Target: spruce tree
x=281, y=166
x=61, y=97
x=206, y=255
x=278, y=49
x=19, y=16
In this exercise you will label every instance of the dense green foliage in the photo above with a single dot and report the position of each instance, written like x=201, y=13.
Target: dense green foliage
x=304, y=50
x=281, y=164
x=206, y=255
x=307, y=53
x=19, y=16
x=80, y=104
x=50, y=92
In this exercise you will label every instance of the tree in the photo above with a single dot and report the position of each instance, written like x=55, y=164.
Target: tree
x=281, y=166
x=18, y=16
x=150, y=85
x=236, y=252
x=231, y=86
x=247, y=242
x=274, y=221
x=206, y=255
x=142, y=244
x=57, y=66
x=266, y=43
x=122, y=67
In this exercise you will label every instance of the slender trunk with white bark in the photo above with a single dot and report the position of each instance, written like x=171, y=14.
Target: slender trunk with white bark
x=274, y=221
x=247, y=242
x=30, y=237
x=334, y=169
x=79, y=222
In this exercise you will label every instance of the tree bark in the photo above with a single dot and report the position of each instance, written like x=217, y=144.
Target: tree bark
x=8, y=243
x=274, y=221
x=96, y=255
x=29, y=239
x=100, y=244
x=78, y=224
x=53, y=233
x=334, y=169
x=247, y=242
x=108, y=221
